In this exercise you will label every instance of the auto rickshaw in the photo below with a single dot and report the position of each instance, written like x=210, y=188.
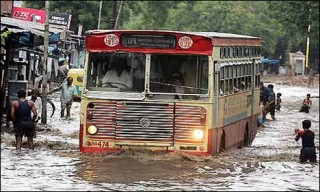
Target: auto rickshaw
x=77, y=75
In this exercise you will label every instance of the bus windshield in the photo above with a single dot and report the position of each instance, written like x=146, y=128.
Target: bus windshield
x=174, y=75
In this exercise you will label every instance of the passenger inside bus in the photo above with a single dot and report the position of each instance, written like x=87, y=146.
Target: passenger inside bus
x=118, y=76
x=233, y=88
x=139, y=65
x=187, y=69
x=179, y=74
x=177, y=83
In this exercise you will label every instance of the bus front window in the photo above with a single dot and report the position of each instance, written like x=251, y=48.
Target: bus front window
x=174, y=76
x=123, y=72
x=181, y=74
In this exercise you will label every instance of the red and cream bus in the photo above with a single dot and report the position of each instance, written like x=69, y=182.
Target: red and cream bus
x=193, y=92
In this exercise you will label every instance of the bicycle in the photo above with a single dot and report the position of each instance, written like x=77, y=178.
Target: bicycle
x=50, y=105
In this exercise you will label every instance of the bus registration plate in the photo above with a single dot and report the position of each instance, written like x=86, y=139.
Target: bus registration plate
x=97, y=144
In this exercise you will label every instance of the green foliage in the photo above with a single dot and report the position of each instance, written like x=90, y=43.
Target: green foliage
x=83, y=12
x=294, y=16
x=273, y=21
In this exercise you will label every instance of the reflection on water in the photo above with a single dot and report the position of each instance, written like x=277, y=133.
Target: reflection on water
x=128, y=170
x=271, y=163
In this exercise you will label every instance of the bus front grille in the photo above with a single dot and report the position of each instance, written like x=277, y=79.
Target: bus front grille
x=187, y=120
x=104, y=117
x=142, y=122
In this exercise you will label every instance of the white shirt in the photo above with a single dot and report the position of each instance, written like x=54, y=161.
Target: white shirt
x=112, y=77
x=37, y=105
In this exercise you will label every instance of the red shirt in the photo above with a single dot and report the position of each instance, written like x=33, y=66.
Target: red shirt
x=307, y=137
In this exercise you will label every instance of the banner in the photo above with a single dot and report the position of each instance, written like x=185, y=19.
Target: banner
x=28, y=14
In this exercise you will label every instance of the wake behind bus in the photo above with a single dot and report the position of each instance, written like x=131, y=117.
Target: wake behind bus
x=173, y=91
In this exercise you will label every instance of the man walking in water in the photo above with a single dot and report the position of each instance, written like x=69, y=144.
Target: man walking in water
x=271, y=102
x=68, y=92
x=37, y=104
x=21, y=118
x=306, y=104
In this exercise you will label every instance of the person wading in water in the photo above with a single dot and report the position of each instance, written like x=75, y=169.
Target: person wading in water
x=21, y=118
x=308, y=150
x=306, y=104
x=68, y=93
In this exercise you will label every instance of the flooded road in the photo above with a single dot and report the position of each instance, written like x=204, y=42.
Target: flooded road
x=271, y=163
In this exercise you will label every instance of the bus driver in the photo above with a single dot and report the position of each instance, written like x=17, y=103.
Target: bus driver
x=117, y=76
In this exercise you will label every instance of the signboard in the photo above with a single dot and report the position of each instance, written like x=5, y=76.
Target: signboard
x=60, y=19
x=38, y=15
x=148, y=41
x=28, y=14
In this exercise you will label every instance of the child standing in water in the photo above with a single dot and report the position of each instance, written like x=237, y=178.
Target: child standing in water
x=308, y=150
x=306, y=104
x=278, y=101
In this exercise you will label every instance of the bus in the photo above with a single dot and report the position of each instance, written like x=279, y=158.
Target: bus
x=190, y=92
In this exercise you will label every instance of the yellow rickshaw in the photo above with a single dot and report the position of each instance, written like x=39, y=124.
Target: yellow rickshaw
x=77, y=75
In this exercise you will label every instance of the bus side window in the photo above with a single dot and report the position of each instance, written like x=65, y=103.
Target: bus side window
x=249, y=82
x=244, y=84
x=221, y=88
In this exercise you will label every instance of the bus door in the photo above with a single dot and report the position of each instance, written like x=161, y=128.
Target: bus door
x=144, y=124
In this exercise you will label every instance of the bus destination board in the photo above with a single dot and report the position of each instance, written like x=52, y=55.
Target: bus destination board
x=148, y=41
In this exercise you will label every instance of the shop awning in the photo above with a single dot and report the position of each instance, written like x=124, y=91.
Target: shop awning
x=17, y=25
x=23, y=29
x=271, y=61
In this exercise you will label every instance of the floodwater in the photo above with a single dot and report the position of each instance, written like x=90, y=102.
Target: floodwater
x=270, y=164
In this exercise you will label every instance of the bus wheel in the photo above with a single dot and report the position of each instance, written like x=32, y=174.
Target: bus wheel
x=246, y=138
x=222, y=143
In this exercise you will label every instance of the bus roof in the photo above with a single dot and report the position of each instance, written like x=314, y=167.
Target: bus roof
x=162, y=41
x=204, y=34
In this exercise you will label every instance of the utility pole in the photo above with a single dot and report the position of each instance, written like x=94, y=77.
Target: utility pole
x=118, y=15
x=45, y=61
x=114, y=14
x=99, y=14
x=308, y=37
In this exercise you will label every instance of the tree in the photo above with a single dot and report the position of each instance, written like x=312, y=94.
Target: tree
x=83, y=12
x=227, y=17
x=279, y=23
x=294, y=16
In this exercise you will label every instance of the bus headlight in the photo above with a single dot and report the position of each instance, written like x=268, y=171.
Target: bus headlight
x=198, y=134
x=92, y=129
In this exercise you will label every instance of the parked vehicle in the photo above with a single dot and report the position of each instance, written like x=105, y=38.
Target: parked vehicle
x=77, y=75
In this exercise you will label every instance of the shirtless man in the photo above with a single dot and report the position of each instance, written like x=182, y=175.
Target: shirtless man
x=21, y=118
x=306, y=104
